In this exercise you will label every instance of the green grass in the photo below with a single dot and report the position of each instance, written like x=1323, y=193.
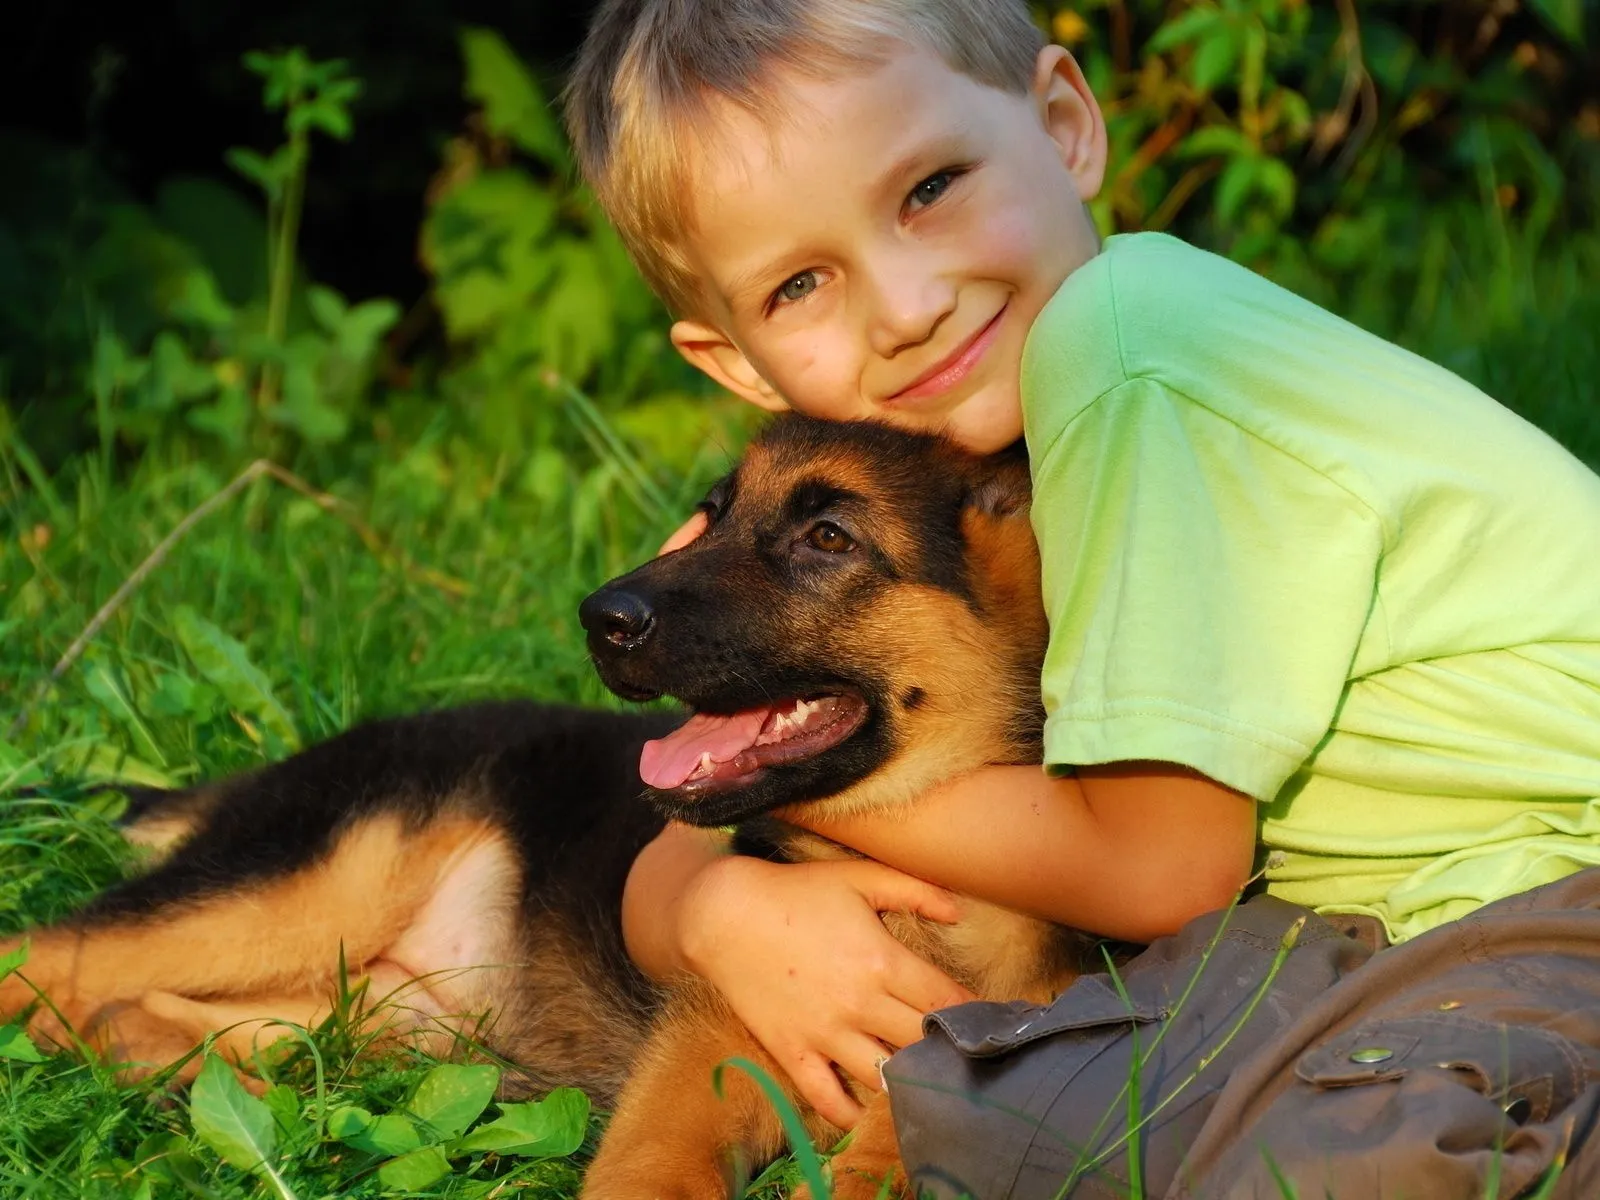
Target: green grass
x=471, y=593
x=340, y=633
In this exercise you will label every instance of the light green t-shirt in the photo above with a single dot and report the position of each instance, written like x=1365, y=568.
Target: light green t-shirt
x=1322, y=571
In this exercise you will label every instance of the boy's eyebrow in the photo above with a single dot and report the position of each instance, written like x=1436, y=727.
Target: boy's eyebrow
x=945, y=146
x=753, y=279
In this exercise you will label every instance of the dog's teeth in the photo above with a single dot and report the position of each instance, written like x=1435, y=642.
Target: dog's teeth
x=782, y=725
x=704, y=767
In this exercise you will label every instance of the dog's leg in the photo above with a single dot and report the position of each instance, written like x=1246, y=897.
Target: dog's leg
x=671, y=1138
x=872, y=1157
x=144, y=1036
x=284, y=934
x=141, y=1037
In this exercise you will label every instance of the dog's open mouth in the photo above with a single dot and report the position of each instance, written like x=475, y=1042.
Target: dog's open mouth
x=708, y=753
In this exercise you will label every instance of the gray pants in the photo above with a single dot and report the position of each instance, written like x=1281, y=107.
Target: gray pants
x=1463, y=1063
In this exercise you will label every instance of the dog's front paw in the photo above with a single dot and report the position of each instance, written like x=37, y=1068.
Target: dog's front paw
x=857, y=1183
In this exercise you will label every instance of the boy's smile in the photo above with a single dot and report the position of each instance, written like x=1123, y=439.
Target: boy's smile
x=883, y=247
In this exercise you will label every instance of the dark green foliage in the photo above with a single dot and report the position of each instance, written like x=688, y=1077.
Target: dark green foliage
x=1428, y=170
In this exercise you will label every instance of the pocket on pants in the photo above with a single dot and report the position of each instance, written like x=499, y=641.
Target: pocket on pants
x=1530, y=1073
x=985, y=1029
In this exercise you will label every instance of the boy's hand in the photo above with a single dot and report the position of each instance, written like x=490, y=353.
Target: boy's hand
x=803, y=959
x=685, y=533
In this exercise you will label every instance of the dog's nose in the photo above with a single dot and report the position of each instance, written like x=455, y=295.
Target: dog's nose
x=618, y=618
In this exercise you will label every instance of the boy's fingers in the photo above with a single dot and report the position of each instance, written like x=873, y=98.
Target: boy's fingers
x=925, y=989
x=861, y=1060
x=685, y=533
x=819, y=1084
x=888, y=890
x=897, y=1023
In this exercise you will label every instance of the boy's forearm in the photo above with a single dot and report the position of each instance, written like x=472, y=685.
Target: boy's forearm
x=1130, y=852
x=660, y=876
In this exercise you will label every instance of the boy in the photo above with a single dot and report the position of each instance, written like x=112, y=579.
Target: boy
x=1314, y=603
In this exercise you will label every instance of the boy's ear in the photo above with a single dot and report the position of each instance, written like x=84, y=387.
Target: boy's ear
x=1072, y=117
x=708, y=349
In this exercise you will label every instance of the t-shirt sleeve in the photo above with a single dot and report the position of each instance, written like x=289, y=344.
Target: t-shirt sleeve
x=1206, y=590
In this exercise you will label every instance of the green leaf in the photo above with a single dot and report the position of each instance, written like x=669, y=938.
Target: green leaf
x=486, y=244
x=16, y=1045
x=578, y=325
x=550, y=1128
x=1234, y=186
x=266, y=173
x=1389, y=54
x=165, y=1157
x=13, y=959
x=17, y=770
x=513, y=104
x=225, y=663
x=1216, y=55
x=176, y=695
x=110, y=690
x=109, y=764
x=451, y=1097
x=1564, y=16
x=282, y=1101
x=327, y=307
x=388, y=1134
x=303, y=408
x=225, y=227
x=415, y=1171
x=230, y=1120
x=358, y=333
x=1213, y=140
x=1182, y=29
x=333, y=119
x=183, y=377
x=348, y=1121
x=227, y=417
x=1276, y=182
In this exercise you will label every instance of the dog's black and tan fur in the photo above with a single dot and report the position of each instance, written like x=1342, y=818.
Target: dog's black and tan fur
x=470, y=863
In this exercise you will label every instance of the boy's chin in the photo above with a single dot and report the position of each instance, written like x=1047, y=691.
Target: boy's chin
x=986, y=422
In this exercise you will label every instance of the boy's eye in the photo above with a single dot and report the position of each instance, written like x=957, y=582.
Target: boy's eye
x=930, y=189
x=796, y=288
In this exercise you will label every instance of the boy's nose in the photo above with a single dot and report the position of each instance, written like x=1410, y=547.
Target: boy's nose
x=911, y=305
x=616, y=619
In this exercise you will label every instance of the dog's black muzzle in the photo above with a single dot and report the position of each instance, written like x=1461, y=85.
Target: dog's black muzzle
x=620, y=623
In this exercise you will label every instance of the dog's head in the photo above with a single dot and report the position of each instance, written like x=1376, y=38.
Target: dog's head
x=860, y=621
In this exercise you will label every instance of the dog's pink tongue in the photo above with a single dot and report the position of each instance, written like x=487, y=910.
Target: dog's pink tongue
x=667, y=762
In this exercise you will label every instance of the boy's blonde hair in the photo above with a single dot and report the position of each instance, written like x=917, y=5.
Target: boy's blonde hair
x=651, y=71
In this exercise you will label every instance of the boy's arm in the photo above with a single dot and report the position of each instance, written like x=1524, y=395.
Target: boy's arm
x=1129, y=850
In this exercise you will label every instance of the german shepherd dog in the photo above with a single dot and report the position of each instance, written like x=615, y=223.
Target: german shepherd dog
x=860, y=621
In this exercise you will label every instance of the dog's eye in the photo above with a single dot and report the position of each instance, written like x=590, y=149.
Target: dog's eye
x=829, y=538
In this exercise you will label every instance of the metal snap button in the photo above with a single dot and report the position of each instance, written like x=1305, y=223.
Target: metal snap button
x=1371, y=1054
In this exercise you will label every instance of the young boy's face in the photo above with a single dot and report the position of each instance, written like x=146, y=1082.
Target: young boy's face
x=883, y=248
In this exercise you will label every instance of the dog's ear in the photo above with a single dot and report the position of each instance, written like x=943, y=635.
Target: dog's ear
x=1000, y=485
